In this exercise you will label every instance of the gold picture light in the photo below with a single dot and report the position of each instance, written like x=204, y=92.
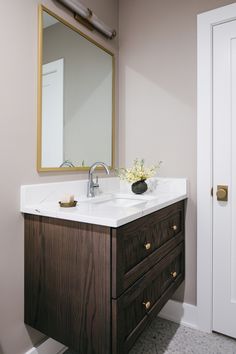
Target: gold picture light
x=88, y=18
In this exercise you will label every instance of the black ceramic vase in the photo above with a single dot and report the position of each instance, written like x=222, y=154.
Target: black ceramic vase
x=139, y=187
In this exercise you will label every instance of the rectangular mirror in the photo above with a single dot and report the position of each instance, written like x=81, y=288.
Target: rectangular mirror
x=76, y=98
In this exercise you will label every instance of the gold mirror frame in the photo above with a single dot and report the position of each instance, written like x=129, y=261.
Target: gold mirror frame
x=39, y=113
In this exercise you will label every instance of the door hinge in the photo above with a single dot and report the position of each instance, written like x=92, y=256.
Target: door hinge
x=212, y=191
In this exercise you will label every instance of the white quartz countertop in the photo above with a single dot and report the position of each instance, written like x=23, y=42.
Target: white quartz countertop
x=115, y=205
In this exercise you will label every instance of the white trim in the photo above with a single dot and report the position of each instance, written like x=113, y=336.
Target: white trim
x=49, y=346
x=206, y=21
x=182, y=313
x=52, y=119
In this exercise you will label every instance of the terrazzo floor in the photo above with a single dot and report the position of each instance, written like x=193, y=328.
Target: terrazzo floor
x=166, y=337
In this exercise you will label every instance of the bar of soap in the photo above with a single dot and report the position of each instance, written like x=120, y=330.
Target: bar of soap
x=72, y=198
x=68, y=198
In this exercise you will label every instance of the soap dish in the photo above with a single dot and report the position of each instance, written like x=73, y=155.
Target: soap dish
x=68, y=205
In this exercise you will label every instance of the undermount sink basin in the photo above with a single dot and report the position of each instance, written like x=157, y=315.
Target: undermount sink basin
x=123, y=201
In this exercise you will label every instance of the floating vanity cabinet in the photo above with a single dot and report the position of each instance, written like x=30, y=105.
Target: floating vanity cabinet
x=95, y=288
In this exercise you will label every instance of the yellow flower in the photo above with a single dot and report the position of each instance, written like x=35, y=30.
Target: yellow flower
x=138, y=171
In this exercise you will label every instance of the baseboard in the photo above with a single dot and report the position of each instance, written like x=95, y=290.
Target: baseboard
x=182, y=313
x=49, y=346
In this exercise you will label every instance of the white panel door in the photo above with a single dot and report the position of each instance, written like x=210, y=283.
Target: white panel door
x=52, y=114
x=224, y=173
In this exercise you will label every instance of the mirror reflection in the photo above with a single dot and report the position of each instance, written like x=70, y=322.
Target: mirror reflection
x=77, y=99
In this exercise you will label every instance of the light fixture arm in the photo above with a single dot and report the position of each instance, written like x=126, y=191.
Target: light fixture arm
x=88, y=15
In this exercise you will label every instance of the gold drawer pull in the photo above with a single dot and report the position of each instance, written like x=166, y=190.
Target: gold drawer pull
x=173, y=274
x=174, y=227
x=147, y=305
x=147, y=245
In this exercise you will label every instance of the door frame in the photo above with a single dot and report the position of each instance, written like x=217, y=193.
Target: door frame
x=205, y=22
x=54, y=67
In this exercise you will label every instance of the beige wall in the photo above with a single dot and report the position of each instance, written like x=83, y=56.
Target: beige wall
x=158, y=121
x=157, y=73
x=18, y=102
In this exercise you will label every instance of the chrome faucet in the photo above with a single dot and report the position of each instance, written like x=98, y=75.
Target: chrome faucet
x=67, y=163
x=91, y=183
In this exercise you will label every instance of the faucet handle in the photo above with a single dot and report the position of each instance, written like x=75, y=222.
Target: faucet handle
x=96, y=185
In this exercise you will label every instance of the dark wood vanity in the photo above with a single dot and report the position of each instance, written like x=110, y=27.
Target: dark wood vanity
x=95, y=288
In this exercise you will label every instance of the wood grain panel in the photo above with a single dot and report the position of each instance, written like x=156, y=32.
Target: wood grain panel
x=130, y=259
x=67, y=282
x=156, y=286
x=70, y=268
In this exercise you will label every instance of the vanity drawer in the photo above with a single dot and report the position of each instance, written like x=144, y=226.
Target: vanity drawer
x=139, y=304
x=139, y=245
